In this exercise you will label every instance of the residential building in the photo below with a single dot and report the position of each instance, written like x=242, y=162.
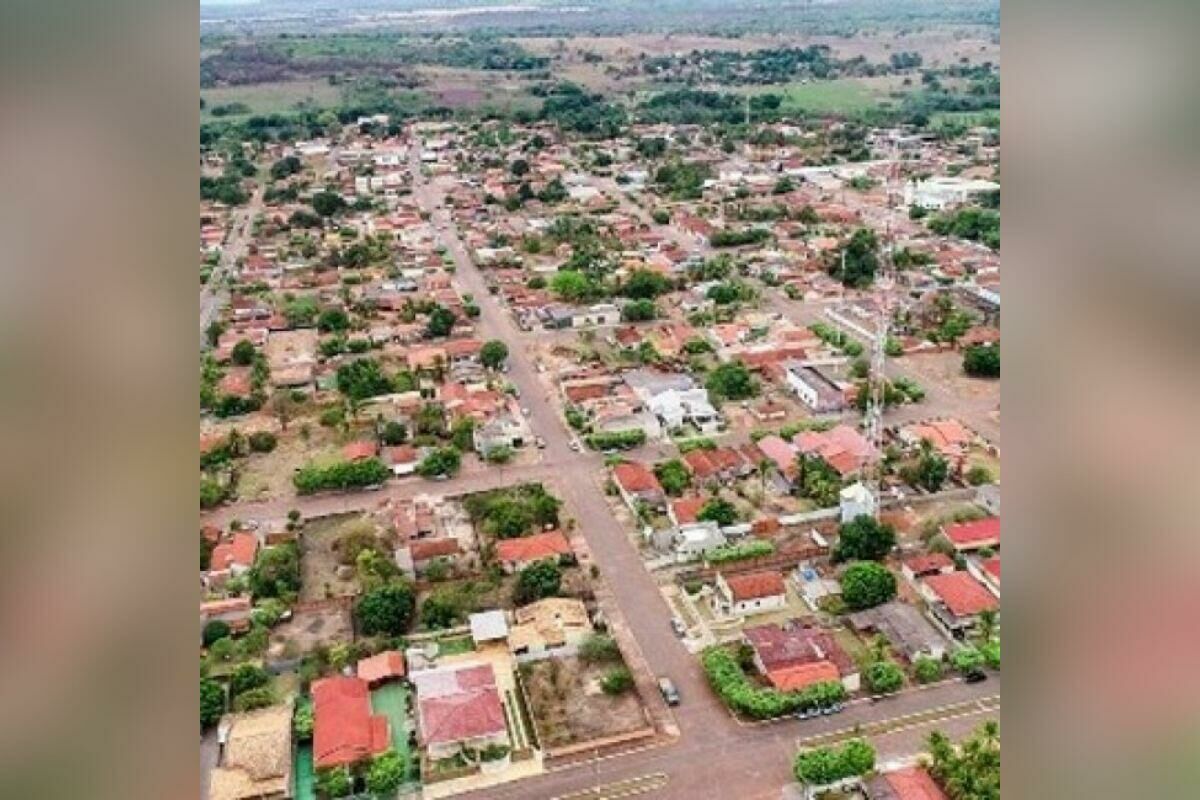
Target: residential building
x=675, y=408
x=548, y=625
x=974, y=535
x=922, y=566
x=638, y=484
x=910, y=783
x=459, y=706
x=517, y=554
x=255, y=757
x=693, y=540
x=814, y=388
x=904, y=627
x=488, y=626
x=842, y=447
x=344, y=729
x=793, y=656
x=401, y=459
x=956, y=600
x=381, y=668
x=749, y=593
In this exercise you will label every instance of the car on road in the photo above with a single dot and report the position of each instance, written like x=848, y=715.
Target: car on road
x=975, y=675
x=525, y=411
x=669, y=692
x=678, y=626
x=574, y=445
x=540, y=442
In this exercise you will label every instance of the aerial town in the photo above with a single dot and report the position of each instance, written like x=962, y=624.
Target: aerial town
x=600, y=414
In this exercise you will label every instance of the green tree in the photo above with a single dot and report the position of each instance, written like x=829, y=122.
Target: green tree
x=967, y=658
x=386, y=774
x=858, y=261
x=493, y=354
x=982, y=361
x=673, y=476
x=731, y=381
x=720, y=511
x=439, y=611
x=884, y=677
x=573, y=286
x=866, y=584
x=242, y=353
x=387, y=609
x=247, y=677
x=214, y=631
x=302, y=723
x=639, y=311
x=462, y=433
x=393, y=433
x=927, y=670
x=864, y=539
x=644, y=284
x=334, y=782
x=327, y=203
x=931, y=469
x=443, y=461
x=362, y=379
x=212, y=702
x=276, y=572
x=441, y=322
x=538, y=580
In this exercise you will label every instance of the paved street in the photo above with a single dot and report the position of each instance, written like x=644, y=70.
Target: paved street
x=213, y=295
x=713, y=756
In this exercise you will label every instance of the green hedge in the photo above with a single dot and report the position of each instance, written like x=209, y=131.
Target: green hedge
x=343, y=475
x=618, y=440
x=740, y=552
x=730, y=683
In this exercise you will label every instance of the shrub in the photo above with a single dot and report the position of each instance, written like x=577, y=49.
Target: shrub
x=729, y=681
x=927, y=670
x=598, y=647
x=247, y=677
x=214, y=631
x=302, y=723
x=616, y=681
x=342, y=475
x=979, y=475
x=212, y=702
x=260, y=697
x=756, y=548
x=262, y=441
x=617, y=440
x=386, y=774
x=394, y=433
x=720, y=511
x=538, y=580
x=824, y=765
x=443, y=461
x=967, y=658
x=884, y=677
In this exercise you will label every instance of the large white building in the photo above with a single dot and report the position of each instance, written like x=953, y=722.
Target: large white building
x=944, y=191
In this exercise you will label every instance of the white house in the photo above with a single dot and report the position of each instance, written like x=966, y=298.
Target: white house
x=599, y=315
x=856, y=501
x=813, y=387
x=750, y=593
x=675, y=408
x=695, y=539
x=941, y=192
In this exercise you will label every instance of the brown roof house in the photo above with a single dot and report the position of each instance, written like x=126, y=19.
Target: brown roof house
x=749, y=593
x=255, y=757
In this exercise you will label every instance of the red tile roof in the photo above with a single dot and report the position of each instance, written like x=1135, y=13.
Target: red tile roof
x=687, y=509
x=357, y=451
x=795, y=678
x=779, y=451
x=344, y=730
x=754, y=585
x=457, y=705
x=425, y=549
x=380, y=667
x=779, y=647
x=931, y=562
x=634, y=477
x=526, y=549
x=401, y=454
x=979, y=533
x=913, y=783
x=992, y=567
x=962, y=593
x=215, y=608
x=240, y=551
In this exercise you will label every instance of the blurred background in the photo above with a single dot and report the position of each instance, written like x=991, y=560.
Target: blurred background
x=98, y=164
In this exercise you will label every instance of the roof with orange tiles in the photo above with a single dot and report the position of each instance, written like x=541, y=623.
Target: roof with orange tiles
x=977, y=533
x=424, y=549
x=379, y=667
x=911, y=783
x=795, y=678
x=930, y=562
x=344, y=730
x=992, y=567
x=238, y=551
x=963, y=595
x=634, y=477
x=526, y=549
x=357, y=451
x=755, y=585
x=687, y=509
x=455, y=704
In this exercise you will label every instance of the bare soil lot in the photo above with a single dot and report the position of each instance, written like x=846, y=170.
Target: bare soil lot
x=568, y=705
x=320, y=559
x=307, y=629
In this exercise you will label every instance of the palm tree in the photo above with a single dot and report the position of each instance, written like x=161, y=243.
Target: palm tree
x=987, y=624
x=764, y=469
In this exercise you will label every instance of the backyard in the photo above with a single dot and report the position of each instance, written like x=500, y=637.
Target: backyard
x=569, y=706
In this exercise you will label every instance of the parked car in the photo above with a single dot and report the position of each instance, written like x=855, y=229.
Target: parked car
x=575, y=445
x=540, y=442
x=678, y=626
x=975, y=675
x=669, y=692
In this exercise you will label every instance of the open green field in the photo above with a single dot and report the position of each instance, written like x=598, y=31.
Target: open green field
x=847, y=96
x=270, y=98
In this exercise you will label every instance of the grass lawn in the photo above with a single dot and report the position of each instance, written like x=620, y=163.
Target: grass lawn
x=393, y=700
x=846, y=96
x=455, y=646
x=270, y=98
